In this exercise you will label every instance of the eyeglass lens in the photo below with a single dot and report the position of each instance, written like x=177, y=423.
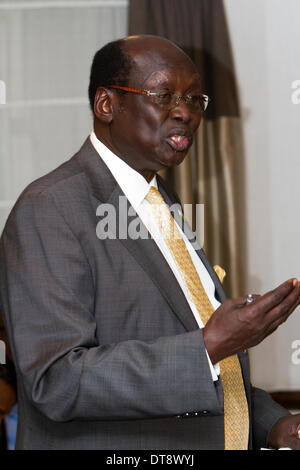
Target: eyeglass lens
x=194, y=102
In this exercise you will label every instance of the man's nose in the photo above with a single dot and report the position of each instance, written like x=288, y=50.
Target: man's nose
x=180, y=110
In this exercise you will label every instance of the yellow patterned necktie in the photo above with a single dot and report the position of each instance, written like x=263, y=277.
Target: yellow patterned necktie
x=236, y=417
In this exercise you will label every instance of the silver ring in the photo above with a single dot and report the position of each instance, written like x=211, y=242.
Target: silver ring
x=298, y=433
x=250, y=299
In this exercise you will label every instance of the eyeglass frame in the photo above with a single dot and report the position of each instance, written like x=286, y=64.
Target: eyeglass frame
x=152, y=93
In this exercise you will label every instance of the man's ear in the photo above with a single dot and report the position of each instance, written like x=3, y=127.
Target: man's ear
x=103, y=106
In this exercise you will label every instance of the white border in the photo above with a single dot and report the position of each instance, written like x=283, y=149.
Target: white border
x=62, y=4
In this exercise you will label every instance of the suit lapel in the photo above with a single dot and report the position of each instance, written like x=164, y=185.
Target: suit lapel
x=148, y=255
x=220, y=294
x=145, y=251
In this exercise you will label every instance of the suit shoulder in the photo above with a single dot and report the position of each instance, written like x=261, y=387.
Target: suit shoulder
x=61, y=184
x=63, y=175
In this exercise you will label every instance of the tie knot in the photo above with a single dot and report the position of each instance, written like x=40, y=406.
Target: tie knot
x=154, y=196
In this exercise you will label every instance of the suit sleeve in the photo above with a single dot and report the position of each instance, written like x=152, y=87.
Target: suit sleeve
x=265, y=414
x=48, y=296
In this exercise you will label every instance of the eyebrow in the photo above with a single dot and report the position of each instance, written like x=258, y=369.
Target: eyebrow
x=160, y=76
x=166, y=84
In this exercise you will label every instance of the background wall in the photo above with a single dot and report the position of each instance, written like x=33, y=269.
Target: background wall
x=46, y=48
x=265, y=36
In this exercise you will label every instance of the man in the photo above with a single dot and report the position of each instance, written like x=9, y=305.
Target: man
x=105, y=329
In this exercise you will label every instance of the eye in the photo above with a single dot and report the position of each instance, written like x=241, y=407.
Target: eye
x=197, y=101
x=164, y=97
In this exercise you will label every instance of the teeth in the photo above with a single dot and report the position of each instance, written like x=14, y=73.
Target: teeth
x=178, y=138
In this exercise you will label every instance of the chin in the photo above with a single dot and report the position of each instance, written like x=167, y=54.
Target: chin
x=175, y=159
x=169, y=158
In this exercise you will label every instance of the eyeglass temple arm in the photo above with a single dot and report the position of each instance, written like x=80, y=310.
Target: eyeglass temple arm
x=132, y=90
x=145, y=92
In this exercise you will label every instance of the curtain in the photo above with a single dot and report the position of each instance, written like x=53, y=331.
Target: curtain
x=212, y=173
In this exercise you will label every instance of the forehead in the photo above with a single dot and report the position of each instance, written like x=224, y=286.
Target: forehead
x=155, y=66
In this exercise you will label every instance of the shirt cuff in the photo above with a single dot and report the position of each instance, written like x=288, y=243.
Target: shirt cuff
x=214, y=369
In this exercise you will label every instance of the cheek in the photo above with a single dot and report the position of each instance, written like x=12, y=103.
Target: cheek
x=149, y=120
x=148, y=131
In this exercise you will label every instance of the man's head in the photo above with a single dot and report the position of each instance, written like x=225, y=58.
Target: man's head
x=111, y=66
x=146, y=133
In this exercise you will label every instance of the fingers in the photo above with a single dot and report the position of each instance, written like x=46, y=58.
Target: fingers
x=270, y=310
x=295, y=430
x=294, y=435
x=278, y=296
x=294, y=443
x=270, y=299
x=238, y=325
x=281, y=312
x=244, y=300
x=285, y=433
x=295, y=304
x=255, y=297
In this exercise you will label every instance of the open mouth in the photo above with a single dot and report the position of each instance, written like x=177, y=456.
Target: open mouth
x=179, y=143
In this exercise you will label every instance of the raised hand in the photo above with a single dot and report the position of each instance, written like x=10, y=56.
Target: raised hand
x=236, y=325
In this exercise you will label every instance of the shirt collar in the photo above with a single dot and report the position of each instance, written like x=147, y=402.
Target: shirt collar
x=132, y=183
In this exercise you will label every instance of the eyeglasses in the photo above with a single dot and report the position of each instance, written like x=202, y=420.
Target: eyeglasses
x=170, y=100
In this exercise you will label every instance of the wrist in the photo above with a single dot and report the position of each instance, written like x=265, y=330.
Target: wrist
x=212, y=345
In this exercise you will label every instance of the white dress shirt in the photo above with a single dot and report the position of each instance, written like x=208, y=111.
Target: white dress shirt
x=135, y=187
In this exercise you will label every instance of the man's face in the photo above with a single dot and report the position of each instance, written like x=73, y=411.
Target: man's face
x=146, y=135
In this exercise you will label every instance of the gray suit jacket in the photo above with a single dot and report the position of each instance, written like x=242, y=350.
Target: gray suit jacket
x=107, y=351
